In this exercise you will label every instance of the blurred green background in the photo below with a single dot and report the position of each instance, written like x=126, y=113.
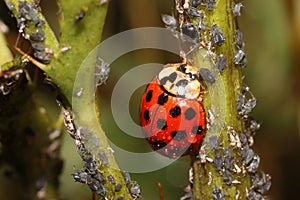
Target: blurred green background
x=272, y=74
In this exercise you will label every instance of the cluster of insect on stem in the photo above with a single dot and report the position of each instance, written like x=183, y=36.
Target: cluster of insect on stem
x=191, y=22
x=31, y=27
x=91, y=173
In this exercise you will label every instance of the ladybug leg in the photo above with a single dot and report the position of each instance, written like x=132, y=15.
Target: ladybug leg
x=202, y=93
x=161, y=192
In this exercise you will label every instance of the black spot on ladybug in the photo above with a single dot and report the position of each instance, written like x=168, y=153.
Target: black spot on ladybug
x=149, y=95
x=174, y=112
x=182, y=83
x=197, y=129
x=178, y=135
x=189, y=113
x=147, y=115
x=161, y=124
x=182, y=68
x=172, y=77
x=164, y=80
x=158, y=144
x=192, y=76
x=162, y=99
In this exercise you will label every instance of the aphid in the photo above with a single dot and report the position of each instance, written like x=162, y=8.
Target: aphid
x=228, y=159
x=99, y=177
x=126, y=176
x=217, y=35
x=196, y=3
x=253, y=166
x=28, y=12
x=95, y=185
x=261, y=182
x=43, y=57
x=247, y=106
x=221, y=63
x=239, y=57
x=101, y=72
x=218, y=161
x=193, y=12
x=111, y=179
x=243, y=139
x=80, y=176
x=135, y=189
x=190, y=30
x=38, y=36
x=172, y=116
x=227, y=177
x=38, y=46
x=241, y=101
x=40, y=23
x=210, y=4
x=251, y=124
x=237, y=9
x=10, y=5
x=169, y=21
x=102, y=157
x=81, y=14
x=207, y=75
x=118, y=187
x=252, y=195
x=239, y=39
x=84, y=133
x=90, y=164
x=218, y=194
x=214, y=142
x=247, y=155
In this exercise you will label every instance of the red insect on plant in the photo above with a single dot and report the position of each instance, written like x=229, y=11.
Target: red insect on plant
x=172, y=114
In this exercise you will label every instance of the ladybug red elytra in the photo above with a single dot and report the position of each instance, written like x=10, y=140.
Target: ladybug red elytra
x=172, y=114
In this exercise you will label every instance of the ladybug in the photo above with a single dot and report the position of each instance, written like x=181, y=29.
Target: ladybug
x=172, y=115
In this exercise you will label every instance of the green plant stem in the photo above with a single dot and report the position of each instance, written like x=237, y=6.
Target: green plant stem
x=81, y=28
x=221, y=100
